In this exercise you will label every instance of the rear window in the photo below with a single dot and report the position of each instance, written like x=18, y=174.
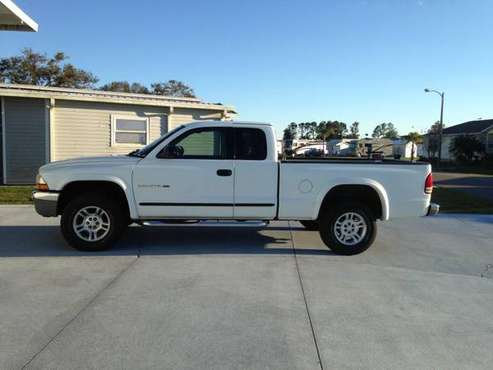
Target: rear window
x=251, y=144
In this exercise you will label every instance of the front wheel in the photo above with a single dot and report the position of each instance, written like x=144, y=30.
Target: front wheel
x=92, y=223
x=348, y=229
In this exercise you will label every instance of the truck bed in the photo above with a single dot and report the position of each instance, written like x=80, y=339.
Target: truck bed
x=303, y=183
x=355, y=160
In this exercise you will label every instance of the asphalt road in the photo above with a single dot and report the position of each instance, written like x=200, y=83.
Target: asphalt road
x=199, y=297
x=477, y=185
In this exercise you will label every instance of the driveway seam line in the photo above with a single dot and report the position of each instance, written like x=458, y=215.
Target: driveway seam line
x=300, y=279
x=91, y=301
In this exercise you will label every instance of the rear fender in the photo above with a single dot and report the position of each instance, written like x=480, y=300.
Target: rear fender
x=375, y=185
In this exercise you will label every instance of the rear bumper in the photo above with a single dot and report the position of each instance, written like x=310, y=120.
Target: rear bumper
x=45, y=203
x=433, y=209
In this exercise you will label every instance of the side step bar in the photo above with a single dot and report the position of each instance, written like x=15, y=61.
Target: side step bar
x=204, y=223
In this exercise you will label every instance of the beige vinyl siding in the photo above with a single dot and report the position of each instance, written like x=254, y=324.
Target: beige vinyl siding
x=84, y=128
x=184, y=116
x=25, y=130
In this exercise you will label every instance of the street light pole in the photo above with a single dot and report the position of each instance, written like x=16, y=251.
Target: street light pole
x=440, y=128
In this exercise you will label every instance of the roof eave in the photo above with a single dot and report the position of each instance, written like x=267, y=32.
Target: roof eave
x=17, y=20
x=131, y=100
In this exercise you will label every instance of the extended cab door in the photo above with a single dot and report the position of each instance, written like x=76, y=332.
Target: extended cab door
x=193, y=176
x=256, y=171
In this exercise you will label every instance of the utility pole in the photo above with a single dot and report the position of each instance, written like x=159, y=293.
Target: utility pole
x=440, y=128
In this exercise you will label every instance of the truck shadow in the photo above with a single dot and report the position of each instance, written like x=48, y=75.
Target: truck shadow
x=38, y=241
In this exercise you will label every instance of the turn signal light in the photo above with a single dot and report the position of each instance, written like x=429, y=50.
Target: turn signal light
x=41, y=184
x=429, y=184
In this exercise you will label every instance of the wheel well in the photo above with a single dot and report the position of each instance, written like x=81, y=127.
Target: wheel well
x=361, y=193
x=106, y=188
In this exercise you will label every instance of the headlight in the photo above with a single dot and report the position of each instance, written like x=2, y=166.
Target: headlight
x=41, y=184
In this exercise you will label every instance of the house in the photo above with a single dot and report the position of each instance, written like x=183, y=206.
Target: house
x=378, y=145
x=309, y=148
x=342, y=147
x=298, y=146
x=302, y=146
x=44, y=124
x=12, y=18
x=482, y=129
x=403, y=148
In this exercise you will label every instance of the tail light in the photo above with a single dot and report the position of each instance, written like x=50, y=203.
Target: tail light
x=429, y=184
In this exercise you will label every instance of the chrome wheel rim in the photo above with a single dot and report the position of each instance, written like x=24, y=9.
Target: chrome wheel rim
x=91, y=223
x=350, y=228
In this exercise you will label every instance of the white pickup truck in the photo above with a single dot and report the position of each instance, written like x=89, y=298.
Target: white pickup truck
x=229, y=171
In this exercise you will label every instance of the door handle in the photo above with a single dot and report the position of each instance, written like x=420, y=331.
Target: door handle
x=224, y=172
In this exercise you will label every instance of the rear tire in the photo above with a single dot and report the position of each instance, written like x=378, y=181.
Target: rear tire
x=92, y=222
x=310, y=225
x=348, y=229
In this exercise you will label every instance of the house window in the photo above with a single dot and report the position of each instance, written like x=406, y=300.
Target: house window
x=129, y=130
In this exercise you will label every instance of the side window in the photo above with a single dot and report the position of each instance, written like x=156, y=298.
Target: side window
x=204, y=143
x=251, y=144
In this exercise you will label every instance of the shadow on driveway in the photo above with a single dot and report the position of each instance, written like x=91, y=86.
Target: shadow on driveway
x=37, y=241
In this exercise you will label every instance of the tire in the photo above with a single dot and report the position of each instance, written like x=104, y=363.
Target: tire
x=96, y=217
x=348, y=229
x=309, y=225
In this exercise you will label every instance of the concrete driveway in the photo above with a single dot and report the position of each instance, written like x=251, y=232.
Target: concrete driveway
x=200, y=297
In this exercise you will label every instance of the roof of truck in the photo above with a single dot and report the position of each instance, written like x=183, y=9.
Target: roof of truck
x=215, y=122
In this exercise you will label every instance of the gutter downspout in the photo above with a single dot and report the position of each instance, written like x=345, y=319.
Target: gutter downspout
x=4, y=140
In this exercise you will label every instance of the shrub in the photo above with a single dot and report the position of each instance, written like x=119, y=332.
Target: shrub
x=465, y=148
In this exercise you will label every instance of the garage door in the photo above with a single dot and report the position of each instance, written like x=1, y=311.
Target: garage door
x=25, y=141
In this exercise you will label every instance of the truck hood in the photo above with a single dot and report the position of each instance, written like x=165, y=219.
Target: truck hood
x=116, y=160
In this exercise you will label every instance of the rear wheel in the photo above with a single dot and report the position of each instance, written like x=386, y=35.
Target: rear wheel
x=309, y=224
x=92, y=223
x=348, y=229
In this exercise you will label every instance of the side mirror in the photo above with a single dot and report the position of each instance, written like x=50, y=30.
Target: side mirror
x=171, y=151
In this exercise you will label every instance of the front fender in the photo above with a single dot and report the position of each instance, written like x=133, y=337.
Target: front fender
x=124, y=184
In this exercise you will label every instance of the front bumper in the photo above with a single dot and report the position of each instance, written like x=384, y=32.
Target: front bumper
x=45, y=203
x=433, y=209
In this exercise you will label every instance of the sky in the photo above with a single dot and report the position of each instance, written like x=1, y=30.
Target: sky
x=283, y=61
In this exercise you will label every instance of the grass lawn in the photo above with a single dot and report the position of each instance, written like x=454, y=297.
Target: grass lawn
x=15, y=194
x=471, y=170
x=456, y=201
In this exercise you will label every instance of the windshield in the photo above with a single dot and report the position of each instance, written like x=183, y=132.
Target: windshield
x=143, y=152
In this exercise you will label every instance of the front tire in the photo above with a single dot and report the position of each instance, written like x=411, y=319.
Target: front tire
x=92, y=223
x=348, y=229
